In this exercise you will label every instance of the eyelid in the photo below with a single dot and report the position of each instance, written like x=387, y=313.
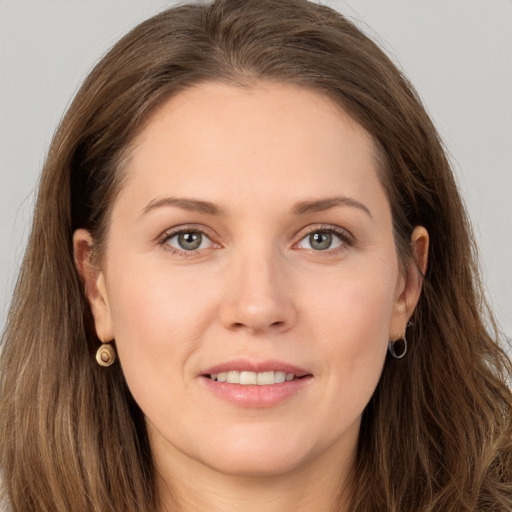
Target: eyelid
x=175, y=231
x=345, y=236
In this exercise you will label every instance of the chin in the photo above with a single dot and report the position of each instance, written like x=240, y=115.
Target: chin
x=259, y=455
x=258, y=465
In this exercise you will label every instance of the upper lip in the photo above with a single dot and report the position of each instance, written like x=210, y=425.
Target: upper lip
x=244, y=365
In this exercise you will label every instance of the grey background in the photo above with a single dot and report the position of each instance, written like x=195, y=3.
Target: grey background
x=458, y=54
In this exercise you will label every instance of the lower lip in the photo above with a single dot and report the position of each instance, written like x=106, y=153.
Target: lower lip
x=257, y=397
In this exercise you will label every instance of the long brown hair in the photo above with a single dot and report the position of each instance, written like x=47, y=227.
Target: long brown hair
x=436, y=435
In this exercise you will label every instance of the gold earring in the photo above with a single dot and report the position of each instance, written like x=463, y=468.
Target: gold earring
x=106, y=354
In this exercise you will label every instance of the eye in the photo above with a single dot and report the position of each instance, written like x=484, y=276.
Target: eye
x=323, y=240
x=189, y=240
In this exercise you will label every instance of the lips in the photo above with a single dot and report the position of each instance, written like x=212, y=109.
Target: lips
x=255, y=384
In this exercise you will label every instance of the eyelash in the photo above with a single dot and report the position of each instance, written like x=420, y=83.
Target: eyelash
x=346, y=238
x=343, y=235
x=168, y=235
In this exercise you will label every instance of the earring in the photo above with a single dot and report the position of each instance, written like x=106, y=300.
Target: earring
x=106, y=354
x=398, y=348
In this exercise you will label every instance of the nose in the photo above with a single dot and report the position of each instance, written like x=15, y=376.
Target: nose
x=258, y=298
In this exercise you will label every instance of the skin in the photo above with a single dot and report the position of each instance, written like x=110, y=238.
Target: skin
x=257, y=288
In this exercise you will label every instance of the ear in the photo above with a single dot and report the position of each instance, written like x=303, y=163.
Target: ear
x=409, y=285
x=93, y=280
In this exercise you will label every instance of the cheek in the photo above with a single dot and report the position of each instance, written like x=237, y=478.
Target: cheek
x=350, y=322
x=356, y=304
x=156, y=299
x=158, y=318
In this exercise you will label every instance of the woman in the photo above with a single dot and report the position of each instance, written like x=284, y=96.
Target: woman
x=250, y=284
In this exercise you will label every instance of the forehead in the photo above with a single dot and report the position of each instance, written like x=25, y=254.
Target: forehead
x=258, y=105
x=259, y=138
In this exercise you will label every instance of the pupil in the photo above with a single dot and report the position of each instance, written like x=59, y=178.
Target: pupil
x=189, y=241
x=320, y=241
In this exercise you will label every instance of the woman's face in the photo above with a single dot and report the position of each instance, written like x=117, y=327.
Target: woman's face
x=252, y=243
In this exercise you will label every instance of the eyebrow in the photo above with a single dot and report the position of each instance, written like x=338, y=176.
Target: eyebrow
x=306, y=207
x=300, y=208
x=193, y=205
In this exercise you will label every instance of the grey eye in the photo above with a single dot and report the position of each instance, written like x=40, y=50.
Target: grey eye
x=320, y=241
x=189, y=241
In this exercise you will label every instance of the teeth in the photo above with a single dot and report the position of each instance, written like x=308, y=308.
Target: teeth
x=253, y=378
x=280, y=377
x=248, y=378
x=266, y=378
x=233, y=378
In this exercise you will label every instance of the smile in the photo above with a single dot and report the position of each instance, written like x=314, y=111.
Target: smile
x=255, y=384
x=247, y=378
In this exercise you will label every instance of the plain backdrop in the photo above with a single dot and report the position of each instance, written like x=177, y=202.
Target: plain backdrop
x=458, y=54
